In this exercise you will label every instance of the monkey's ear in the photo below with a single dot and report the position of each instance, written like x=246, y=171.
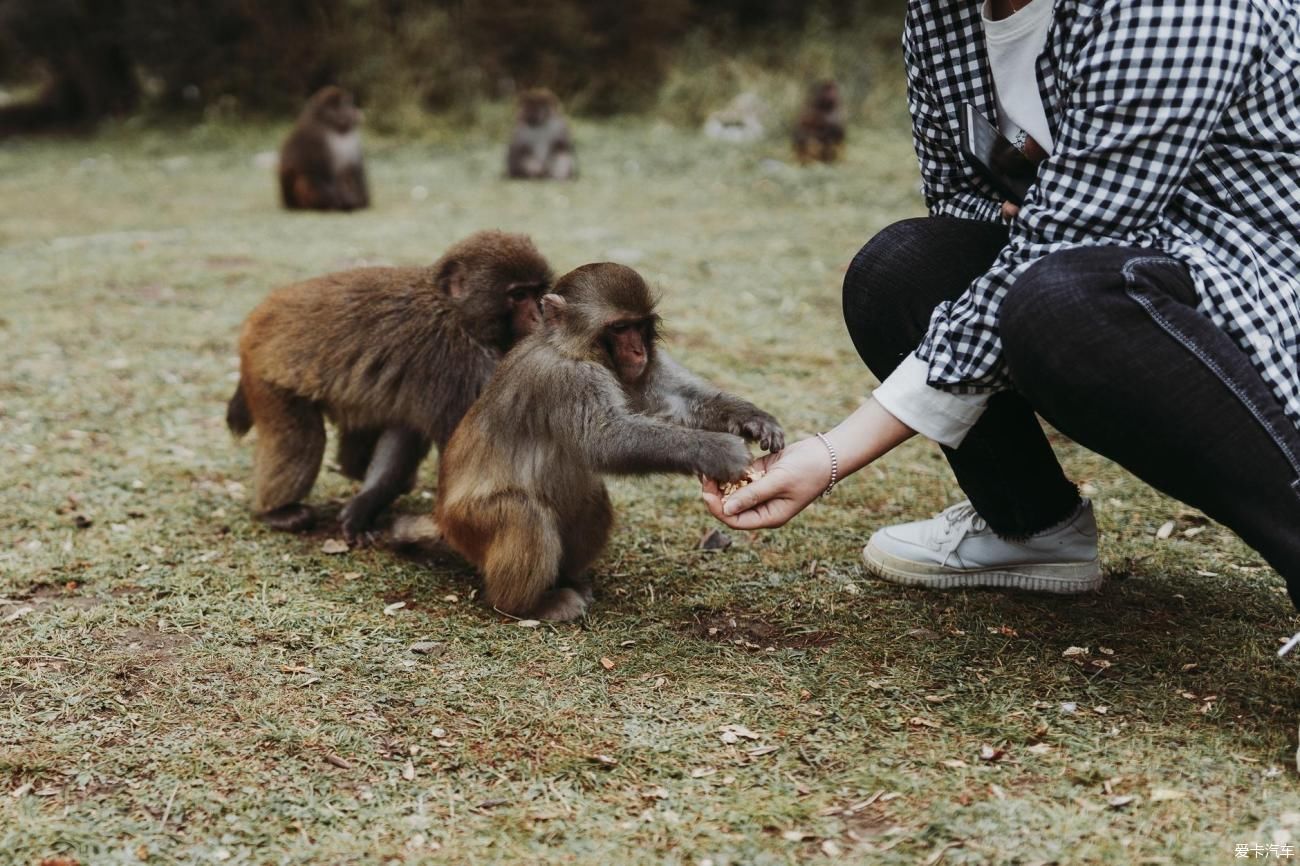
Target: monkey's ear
x=451, y=279
x=553, y=307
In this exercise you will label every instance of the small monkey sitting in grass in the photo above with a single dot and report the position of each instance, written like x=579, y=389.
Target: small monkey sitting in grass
x=520, y=493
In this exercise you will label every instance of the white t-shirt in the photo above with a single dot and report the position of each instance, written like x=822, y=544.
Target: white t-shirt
x=1014, y=44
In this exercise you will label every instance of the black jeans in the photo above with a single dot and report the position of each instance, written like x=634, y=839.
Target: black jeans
x=1107, y=345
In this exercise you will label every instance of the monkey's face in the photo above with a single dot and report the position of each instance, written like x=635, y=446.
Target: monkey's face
x=338, y=111
x=826, y=96
x=629, y=343
x=523, y=308
x=535, y=108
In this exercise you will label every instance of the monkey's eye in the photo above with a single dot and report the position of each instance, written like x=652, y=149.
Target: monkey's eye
x=518, y=296
x=620, y=328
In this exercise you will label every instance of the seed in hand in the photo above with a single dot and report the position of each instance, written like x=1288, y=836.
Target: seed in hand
x=752, y=474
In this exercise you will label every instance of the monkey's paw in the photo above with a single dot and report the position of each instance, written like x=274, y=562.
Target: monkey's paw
x=765, y=430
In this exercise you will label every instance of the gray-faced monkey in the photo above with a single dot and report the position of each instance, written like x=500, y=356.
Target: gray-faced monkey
x=520, y=493
x=540, y=146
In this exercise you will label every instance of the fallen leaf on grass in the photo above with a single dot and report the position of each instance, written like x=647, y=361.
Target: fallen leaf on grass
x=714, y=539
x=922, y=722
x=605, y=760
x=408, y=771
x=1039, y=749
x=425, y=647
x=988, y=753
x=937, y=857
x=392, y=609
x=334, y=545
x=761, y=750
x=797, y=835
x=607, y=663
x=733, y=733
x=701, y=772
x=337, y=761
x=528, y=623
x=1074, y=652
x=1166, y=529
x=1121, y=802
x=954, y=763
x=830, y=848
x=1161, y=794
x=19, y=613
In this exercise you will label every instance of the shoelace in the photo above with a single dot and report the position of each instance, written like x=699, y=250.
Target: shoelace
x=960, y=520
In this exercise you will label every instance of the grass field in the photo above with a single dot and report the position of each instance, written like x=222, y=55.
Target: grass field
x=178, y=684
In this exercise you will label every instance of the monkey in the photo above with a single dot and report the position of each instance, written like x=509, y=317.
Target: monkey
x=394, y=356
x=819, y=133
x=540, y=146
x=520, y=493
x=320, y=162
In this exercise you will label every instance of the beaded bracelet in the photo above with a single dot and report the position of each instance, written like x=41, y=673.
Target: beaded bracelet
x=835, y=464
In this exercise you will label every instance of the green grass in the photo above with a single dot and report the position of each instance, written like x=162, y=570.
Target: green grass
x=184, y=675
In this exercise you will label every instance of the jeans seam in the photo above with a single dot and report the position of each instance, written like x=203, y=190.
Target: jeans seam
x=1137, y=295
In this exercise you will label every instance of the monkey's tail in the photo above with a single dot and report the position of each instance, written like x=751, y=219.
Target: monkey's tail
x=238, y=417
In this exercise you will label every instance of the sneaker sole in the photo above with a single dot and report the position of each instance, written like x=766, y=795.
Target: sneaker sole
x=1063, y=578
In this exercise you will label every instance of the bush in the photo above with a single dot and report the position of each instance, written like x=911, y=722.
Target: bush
x=445, y=55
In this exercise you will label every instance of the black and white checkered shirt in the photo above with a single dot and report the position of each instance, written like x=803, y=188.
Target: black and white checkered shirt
x=1176, y=126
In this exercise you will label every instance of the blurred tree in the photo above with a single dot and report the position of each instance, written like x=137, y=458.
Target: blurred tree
x=603, y=57
x=92, y=56
x=76, y=49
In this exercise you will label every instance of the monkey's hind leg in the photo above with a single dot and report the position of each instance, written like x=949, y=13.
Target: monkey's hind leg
x=393, y=467
x=287, y=457
x=356, y=448
x=521, y=563
x=585, y=535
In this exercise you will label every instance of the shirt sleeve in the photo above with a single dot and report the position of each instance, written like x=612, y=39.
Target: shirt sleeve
x=1142, y=95
x=946, y=180
x=941, y=416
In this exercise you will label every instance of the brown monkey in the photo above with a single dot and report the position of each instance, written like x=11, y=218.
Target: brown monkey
x=819, y=134
x=320, y=161
x=540, y=146
x=520, y=493
x=394, y=356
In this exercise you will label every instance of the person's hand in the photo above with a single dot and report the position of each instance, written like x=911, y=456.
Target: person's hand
x=1034, y=153
x=794, y=478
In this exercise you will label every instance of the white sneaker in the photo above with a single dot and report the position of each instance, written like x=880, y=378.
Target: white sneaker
x=957, y=550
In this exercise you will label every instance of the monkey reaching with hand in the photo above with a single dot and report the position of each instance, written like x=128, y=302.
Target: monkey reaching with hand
x=520, y=493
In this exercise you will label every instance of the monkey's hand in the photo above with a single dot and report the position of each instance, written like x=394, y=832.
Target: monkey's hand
x=762, y=428
x=720, y=456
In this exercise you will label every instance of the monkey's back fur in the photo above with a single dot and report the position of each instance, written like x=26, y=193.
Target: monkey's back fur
x=304, y=339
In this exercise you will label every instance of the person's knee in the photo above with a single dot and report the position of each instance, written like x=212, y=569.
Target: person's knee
x=882, y=264
x=874, y=293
